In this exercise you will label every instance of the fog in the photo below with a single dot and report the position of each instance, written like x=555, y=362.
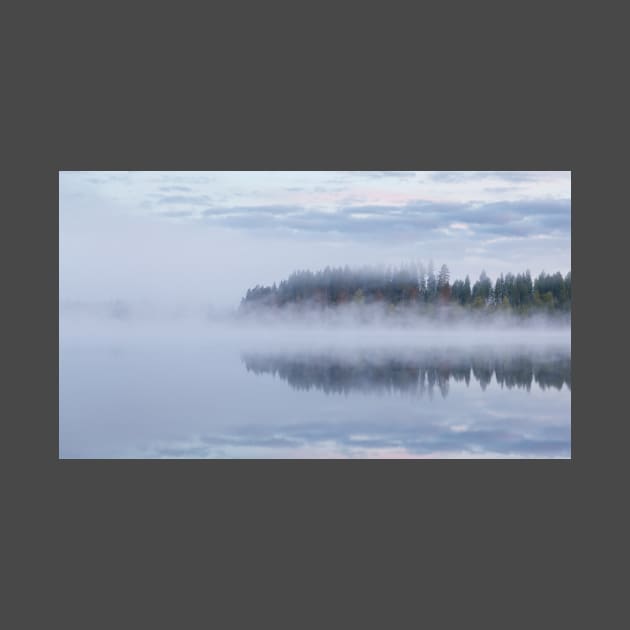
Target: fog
x=193, y=383
x=129, y=238
x=109, y=252
x=350, y=327
x=158, y=359
x=188, y=388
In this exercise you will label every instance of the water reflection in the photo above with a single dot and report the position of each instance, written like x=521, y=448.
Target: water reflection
x=415, y=373
x=176, y=397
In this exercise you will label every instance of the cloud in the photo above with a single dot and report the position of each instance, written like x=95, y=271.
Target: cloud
x=177, y=214
x=193, y=200
x=175, y=188
x=377, y=219
x=271, y=209
x=502, y=189
x=105, y=178
x=517, y=218
x=455, y=177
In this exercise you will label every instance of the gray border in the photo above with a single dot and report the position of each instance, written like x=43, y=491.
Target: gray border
x=495, y=542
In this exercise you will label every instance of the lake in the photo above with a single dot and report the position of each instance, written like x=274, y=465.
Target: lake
x=186, y=389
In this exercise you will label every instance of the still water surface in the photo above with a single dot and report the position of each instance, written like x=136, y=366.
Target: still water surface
x=177, y=392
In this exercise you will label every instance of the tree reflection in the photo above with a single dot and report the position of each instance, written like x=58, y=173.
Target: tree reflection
x=413, y=373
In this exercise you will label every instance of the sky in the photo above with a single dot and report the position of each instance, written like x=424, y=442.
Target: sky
x=206, y=237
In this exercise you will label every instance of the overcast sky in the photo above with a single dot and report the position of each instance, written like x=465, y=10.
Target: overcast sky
x=208, y=236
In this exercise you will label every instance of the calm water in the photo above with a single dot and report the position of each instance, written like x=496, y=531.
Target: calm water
x=196, y=391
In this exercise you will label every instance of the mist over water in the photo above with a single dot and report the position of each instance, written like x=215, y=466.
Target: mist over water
x=196, y=384
x=159, y=358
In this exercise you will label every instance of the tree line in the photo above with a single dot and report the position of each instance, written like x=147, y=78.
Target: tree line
x=414, y=286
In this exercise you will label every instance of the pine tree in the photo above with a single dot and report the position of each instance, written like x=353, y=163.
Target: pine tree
x=467, y=296
x=443, y=277
x=422, y=283
x=443, y=285
x=431, y=283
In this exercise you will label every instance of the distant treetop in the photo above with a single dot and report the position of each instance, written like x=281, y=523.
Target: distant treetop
x=410, y=286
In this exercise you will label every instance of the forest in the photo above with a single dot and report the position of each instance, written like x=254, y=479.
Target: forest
x=413, y=286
